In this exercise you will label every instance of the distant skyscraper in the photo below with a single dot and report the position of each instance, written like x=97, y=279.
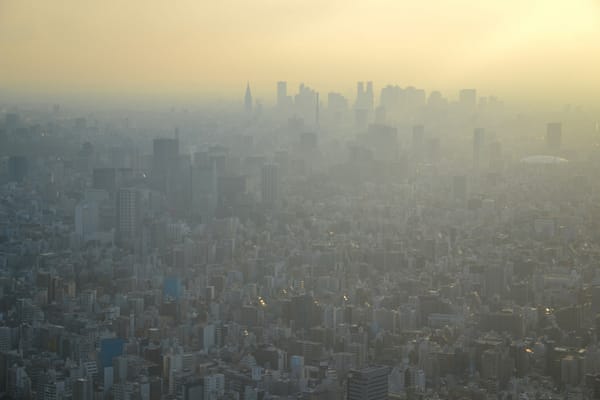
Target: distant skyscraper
x=214, y=386
x=281, y=94
x=104, y=179
x=165, y=163
x=337, y=106
x=554, y=135
x=368, y=384
x=383, y=139
x=248, y=99
x=304, y=103
x=360, y=90
x=86, y=220
x=270, y=184
x=128, y=215
x=369, y=96
x=468, y=97
x=364, y=98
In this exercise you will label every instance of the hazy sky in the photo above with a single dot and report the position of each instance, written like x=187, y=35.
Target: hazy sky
x=509, y=47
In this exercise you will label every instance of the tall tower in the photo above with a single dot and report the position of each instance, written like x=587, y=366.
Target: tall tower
x=128, y=215
x=248, y=99
x=281, y=93
x=369, y=96
x=165, y=163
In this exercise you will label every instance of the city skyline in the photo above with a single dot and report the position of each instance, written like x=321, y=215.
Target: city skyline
x=517, y=50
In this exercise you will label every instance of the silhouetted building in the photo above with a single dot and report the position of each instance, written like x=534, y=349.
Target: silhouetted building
x=128, y=215
x=467, y=98
x=165, y=164
x=282, y=97
x=248, y=99
x=104, y=179
x=384, y=140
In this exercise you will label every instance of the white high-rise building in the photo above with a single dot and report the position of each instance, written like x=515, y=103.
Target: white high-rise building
x=86, y=220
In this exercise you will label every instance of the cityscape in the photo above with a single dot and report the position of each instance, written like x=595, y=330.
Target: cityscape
x=295, y=241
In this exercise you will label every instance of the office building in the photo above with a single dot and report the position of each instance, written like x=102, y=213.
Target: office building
x=467, y=98
x=128, y=215
x=104, y=179
x=83, y=389
x=368, y=384
x=282, y=94
x=214, y=386
x=165, y=164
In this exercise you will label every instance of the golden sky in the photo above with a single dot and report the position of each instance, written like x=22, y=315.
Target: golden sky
x=514, y=48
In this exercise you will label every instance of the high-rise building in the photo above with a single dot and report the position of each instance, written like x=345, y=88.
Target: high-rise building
x=82, y=389
x=128, y=215
x=193, y=390
x=248, y=99
x=369, y=95
x=214, y=386
x=297, y=367
x=165, y=163
x=368, y=384
x=270, y=184
x=383, y=139
x=364, y=97
x=105, y=179
x=86, y=220
x=554, y=135
x=304, y=103
x=337, y=106
x=467, y=97
x=281, y=94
